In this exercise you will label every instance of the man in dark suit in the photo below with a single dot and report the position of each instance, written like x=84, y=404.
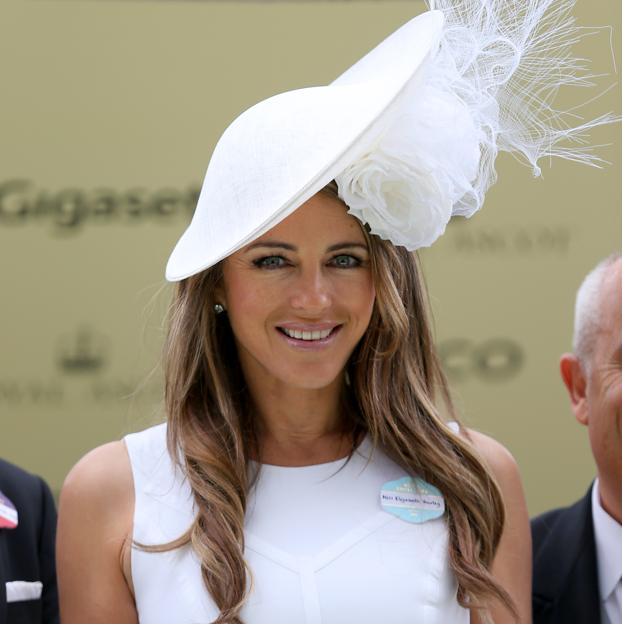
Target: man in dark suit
x=28, y=593
x=577, y=551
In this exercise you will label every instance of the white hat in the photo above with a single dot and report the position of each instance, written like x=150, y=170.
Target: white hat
x=410, y=132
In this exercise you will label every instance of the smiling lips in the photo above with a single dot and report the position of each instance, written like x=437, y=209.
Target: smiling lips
x=309, y=335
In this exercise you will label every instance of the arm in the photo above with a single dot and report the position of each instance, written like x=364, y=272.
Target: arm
x=95, y=527
x=512, y=563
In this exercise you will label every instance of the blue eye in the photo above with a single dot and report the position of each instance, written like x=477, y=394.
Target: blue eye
x=345, y=261
x=270, y=262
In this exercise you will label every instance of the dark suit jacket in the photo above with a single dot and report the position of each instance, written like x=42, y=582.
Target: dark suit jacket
x=27, y=552
x=565, y=576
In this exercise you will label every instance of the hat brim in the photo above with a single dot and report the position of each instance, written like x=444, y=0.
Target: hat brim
x=282, y=151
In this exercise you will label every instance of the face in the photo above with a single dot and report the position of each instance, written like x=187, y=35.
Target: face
x=300, y=297
x=602, y=412
x=595, y=389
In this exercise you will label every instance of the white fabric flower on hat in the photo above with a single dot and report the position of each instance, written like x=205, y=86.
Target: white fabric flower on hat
x=399, y=202
x=408, y=186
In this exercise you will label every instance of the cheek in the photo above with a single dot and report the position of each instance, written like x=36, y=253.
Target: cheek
x=615, y=397
x=245, y=305
x=370, y=302
x=247, y=309
x=607, y=391
x=605, y=404
x=367, y=294
x=615, y=415
x=360, y=298
x=242, y=293
x=244, y=301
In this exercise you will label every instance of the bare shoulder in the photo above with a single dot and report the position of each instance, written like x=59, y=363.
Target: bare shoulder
x=98, y=497
x=499, y=460
x=103, y=473
x=95, y=522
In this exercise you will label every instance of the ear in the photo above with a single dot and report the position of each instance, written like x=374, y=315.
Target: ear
x=575, y=381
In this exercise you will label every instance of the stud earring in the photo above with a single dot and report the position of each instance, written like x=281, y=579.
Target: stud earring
x=219, y=308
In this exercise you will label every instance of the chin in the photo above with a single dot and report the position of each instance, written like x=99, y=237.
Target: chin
x=310, y=379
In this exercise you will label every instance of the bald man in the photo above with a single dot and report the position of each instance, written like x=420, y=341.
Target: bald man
x=577, y=551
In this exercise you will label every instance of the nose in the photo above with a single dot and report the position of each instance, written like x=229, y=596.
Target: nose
x=311, y=292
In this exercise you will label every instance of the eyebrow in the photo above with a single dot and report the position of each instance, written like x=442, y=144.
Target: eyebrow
x=289, y=247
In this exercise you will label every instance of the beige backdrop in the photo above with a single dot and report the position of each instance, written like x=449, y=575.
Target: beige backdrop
x=109, y=112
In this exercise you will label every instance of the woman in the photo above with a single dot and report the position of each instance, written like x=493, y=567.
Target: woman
x=305, y=473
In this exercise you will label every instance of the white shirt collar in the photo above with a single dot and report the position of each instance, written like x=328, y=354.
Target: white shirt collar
x=608, y=537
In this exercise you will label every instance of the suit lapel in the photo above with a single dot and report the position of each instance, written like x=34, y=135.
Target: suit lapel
x=566, y=581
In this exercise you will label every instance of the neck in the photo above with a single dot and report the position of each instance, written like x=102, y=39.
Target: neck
x=298, y=426
x=610, y=497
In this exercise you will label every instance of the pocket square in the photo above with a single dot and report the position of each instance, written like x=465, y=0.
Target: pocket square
x=17, y=591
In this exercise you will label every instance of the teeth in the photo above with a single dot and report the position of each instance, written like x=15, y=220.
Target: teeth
x=307, y=335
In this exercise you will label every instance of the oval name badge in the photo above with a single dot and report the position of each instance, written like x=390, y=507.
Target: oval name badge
x=412, y=499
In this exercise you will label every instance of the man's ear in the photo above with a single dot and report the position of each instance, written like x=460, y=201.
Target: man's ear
x=575, y=381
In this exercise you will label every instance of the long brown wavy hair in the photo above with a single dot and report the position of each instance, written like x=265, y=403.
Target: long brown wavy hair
x=396, y=386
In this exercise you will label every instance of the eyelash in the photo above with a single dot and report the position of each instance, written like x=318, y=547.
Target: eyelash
x=264, y=262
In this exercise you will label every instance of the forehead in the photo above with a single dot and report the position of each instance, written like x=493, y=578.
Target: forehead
x=322, y=218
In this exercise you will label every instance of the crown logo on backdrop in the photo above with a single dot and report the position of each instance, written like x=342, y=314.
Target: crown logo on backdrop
x=82, y=352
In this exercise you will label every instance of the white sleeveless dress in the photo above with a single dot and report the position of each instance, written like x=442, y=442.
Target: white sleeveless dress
x=321, y=548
